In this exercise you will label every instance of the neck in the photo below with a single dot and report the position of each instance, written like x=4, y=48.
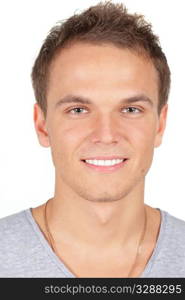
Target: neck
x=96, y=224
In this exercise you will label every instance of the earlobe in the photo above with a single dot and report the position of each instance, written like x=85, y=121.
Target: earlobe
x=161, y=126
x=40, y=126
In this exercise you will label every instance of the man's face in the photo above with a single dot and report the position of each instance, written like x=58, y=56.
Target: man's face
x=109, y=126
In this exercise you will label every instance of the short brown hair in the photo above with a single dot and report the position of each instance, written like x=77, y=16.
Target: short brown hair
x=103, y=23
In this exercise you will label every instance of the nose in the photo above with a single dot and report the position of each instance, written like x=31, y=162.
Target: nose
x=105, y=130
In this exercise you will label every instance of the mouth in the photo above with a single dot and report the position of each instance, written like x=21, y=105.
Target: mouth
x=105, y=165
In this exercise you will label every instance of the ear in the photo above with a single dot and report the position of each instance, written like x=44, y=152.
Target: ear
x=161, y=126
x=40, y=126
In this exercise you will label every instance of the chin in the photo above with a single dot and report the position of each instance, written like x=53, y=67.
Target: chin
x=103, y=197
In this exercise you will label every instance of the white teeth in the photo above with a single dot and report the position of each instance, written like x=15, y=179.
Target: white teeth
x=100, y=162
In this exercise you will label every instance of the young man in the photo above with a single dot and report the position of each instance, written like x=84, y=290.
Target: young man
x=101, y=83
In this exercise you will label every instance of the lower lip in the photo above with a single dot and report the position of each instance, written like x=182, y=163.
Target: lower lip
x=105, y=169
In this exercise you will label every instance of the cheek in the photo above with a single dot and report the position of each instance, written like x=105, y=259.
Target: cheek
x=142, y=146
x=65, y=139
x=142, y=139
x=72, y=136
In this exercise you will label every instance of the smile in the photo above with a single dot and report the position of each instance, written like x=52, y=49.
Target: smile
x=105, y=165
x=97, y=162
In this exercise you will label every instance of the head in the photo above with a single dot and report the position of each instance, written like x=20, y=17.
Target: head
x=101, y=83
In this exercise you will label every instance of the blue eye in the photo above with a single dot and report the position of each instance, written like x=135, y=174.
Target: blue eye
x=79, y=110
x=133, y=109
x=76, y=109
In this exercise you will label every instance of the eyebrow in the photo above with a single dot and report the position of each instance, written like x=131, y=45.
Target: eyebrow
x=84, y=100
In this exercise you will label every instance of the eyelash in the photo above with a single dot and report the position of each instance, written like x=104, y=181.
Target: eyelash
x=79, y=107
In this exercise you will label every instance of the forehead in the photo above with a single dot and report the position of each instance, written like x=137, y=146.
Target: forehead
x=86, y=67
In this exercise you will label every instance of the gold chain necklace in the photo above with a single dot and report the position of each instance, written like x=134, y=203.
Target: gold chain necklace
x=53, y=246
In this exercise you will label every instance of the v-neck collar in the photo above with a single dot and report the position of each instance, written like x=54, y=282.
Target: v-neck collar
x=65, y=270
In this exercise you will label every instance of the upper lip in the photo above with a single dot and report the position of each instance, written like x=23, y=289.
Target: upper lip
x=104, y=157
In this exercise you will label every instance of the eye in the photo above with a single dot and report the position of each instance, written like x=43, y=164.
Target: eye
x=132, y=110
x=76, y=110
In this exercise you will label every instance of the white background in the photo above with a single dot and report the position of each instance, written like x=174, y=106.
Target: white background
x=26, y=169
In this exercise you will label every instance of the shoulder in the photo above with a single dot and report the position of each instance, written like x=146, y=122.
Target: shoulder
x=168, y=257
x=174, y=227
x=11, y=223
x=18, y=244
x=173, y=234
x=15, y=229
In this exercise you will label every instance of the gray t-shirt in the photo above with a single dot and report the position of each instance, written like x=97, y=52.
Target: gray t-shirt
x=24, y=251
